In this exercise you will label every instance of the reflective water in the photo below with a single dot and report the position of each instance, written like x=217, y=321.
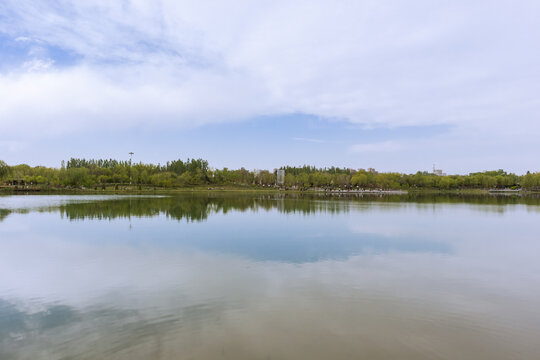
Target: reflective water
x=269, y=277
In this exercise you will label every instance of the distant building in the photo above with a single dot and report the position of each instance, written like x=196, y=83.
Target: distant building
x=280, y=177
x=372, y=170
x=438, y=172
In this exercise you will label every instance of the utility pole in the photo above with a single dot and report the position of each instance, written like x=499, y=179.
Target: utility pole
x=130, y=173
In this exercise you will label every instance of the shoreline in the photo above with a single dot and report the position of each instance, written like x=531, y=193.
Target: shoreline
x=221, y=189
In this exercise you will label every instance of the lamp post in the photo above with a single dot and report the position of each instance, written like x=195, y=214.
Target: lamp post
x=130, y=174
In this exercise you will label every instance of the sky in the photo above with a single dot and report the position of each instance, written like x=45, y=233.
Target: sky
x=388, y=84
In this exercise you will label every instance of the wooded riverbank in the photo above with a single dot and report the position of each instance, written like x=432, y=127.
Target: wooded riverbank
x=113, y=175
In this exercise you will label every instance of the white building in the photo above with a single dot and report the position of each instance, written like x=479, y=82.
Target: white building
x=438, y=172
x=280, y=177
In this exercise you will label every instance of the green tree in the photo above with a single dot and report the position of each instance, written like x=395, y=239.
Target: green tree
x=77, y=176
x=4, y=169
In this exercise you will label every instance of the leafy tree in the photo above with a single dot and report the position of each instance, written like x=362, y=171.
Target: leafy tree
x=77, y=176
x=88, y=172
x=4, y=169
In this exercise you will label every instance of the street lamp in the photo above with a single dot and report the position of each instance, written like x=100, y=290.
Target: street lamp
x=130, y=174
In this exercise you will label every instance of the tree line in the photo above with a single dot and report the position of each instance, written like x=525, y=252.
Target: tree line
x=76, y=173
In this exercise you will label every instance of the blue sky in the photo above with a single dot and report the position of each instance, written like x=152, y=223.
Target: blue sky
x=388, y=84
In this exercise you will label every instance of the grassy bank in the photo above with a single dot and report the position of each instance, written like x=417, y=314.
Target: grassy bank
x=131, y=190
x=238, y=188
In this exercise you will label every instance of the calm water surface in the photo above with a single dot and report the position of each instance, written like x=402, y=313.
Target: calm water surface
x=269, y=277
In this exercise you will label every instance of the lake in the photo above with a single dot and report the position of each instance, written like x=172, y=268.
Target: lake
x=240, y=276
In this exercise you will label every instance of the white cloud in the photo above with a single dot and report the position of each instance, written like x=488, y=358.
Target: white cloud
x=390, y=63
x=23, y=39
x=318, y=141
x=38, y=65
x=383, y=146
x=12, y=146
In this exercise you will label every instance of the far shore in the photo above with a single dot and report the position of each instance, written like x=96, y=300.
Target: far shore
x=244, y=189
